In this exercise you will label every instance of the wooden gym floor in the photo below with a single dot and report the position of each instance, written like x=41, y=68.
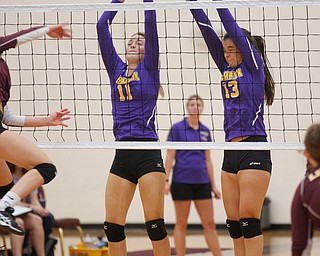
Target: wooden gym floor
x=277, y=243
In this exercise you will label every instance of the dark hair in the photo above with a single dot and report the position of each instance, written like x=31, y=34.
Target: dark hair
x=260, y=45
x=194, y=97
x=312, y=141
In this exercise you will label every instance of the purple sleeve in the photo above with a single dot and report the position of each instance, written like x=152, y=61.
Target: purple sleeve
x=210, y=37
x=108, y=51
x=171, y=135
x=151, y=55
x=249, y=54
x=10, y=41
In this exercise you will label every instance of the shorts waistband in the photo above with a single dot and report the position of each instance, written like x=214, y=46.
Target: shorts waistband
x=255, y=138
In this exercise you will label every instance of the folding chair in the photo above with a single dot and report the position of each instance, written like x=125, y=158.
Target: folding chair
x=63, y=223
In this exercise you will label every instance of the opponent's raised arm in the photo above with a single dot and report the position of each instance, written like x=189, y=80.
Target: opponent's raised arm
x=27, y=35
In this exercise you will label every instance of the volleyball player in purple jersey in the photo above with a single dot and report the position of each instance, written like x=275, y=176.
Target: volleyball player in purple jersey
x=15, y=148
x=134, y=93
x=246, y=83
x=192, y=178
x=305, y=208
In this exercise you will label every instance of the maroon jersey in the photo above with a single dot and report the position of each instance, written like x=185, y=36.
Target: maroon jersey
x=5, y=82
x=305, y=212
x=11, y=41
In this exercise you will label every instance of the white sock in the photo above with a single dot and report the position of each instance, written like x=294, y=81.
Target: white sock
x=10, y=199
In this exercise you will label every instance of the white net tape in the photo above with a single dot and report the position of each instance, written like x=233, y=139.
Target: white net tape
x=176, y=145
x=156, y=5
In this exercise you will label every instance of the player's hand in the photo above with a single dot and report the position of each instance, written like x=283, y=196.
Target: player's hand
x=39, y=210
x=216, y=193
x=58, y=118
x=59, y=31
x=167, y=188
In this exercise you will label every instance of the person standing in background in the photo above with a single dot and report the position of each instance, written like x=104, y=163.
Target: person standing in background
x=192, y=178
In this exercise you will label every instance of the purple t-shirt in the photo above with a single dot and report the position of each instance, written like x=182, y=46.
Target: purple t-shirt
x=190, y=165
x=242, y=87
x=133, y=97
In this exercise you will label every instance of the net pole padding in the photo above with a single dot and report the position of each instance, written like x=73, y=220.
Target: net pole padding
x=156, y=5
x=174, y=145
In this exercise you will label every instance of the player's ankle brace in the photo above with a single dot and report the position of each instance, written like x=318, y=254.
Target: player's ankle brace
x=114, y=232
x=250, y=227
x=234, y=229
x=156, y=229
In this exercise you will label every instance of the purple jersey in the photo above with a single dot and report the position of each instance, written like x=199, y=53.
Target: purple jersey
x=133, y=97
x=243, y=86
x=6, y=43
x=305, y=212
x=190, y=165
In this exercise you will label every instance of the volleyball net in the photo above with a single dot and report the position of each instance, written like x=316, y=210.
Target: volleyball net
x=50, y=74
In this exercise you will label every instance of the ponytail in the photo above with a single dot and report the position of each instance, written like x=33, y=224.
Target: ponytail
x=259, y=44
x=269, y=89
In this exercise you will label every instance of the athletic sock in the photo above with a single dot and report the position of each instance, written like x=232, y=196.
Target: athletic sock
x=9, y=200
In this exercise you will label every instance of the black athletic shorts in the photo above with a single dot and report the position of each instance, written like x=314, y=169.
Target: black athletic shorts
x=132, y=164
x=2, y=129
x=237, y=160
x=185, y=191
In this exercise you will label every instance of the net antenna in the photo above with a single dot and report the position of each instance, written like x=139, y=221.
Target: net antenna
x=50, y=74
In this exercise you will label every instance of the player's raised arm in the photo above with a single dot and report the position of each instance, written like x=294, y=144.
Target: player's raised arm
x=108, y=51
x=27, y=35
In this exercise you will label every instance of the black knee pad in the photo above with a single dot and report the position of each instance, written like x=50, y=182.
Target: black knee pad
x=114, y=232
x=47, y=171
x=5, y=189
x=234, y=229
x=250, y=227
x=156, y=229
